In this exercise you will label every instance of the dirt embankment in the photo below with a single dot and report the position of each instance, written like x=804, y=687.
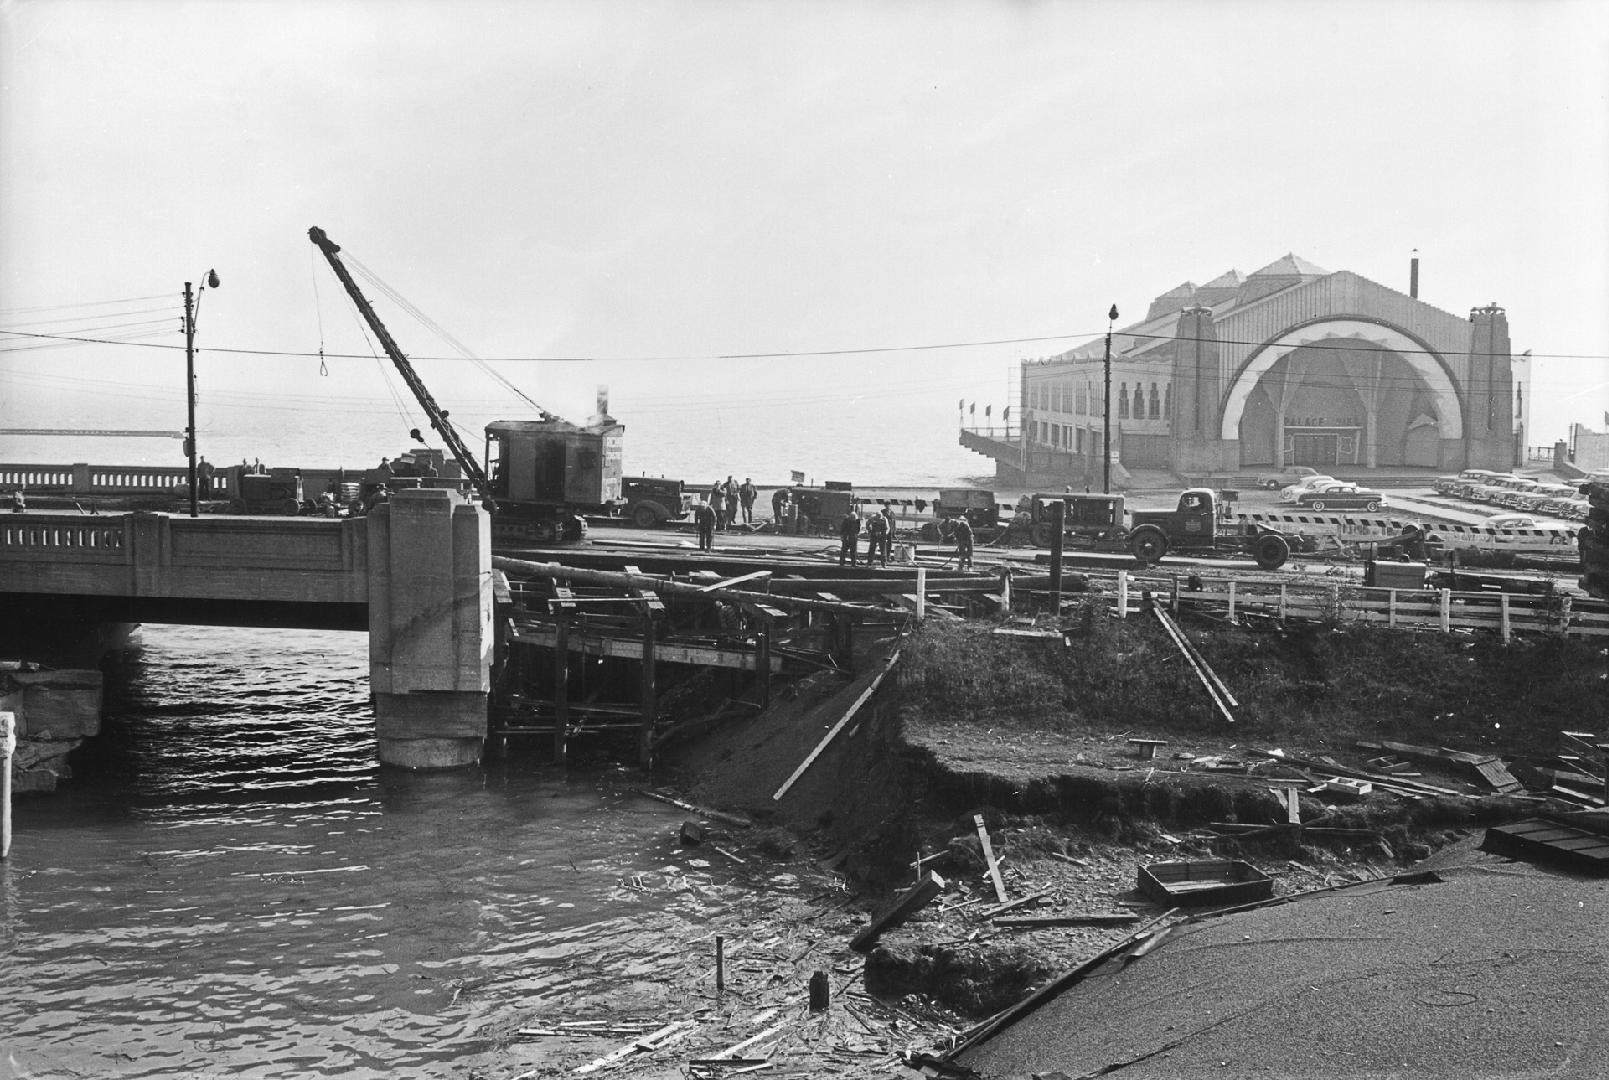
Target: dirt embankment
x=1033, y=734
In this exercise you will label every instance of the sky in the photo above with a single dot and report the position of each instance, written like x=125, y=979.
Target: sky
x=632, y=193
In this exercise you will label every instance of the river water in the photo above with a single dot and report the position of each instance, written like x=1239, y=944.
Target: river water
x=231, y=885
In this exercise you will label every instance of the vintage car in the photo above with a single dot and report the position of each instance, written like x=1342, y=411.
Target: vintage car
x=1510, y=521
x=1306, y=483
x=1454, y=485
x=1490, y=489
x=1340, y=497
x=1283, y=478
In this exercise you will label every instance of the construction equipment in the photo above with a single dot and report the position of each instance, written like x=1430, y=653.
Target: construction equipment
x=544, y=474
x=277, y=491
x=651, y=501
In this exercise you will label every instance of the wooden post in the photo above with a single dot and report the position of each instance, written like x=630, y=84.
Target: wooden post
x=720, y=963
x=1058, y=519
x=1502, y=606
x=1231, y=599
x=1282, y=601
x=1446, y=611
x=561, y=689
x=820, y=992
x=921, y=593
x=1175, y=604
x=1391, y=607
x=8, y=744
x=1005, y=588
x=1122, y=594
x=649, y=703
x=989, y=859
x=762, y=658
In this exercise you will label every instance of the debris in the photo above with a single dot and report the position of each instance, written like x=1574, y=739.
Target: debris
x=1001, y=909
x=1577, y=841
x=820, y=992
x=692, y=834
x=714, y=815
x=988, y=857
x=904, y=906
x=1221, y=697
x=666, y=1035
x=1147, y=748
x=1348, y=787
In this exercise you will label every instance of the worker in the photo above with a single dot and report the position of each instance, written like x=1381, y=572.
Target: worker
x=848, y=536
x=963, y=543
x=204, y=471
x=704, y=521
x=746, y=495
x=876, y=533
x=19, y=503
x=729, y=492
x=779, y=505
x=888, y=535
x=717, y=501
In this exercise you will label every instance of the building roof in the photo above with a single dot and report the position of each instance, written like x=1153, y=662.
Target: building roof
x=1290, y=265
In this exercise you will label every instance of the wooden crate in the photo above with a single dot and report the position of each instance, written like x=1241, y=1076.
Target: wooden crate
x=1204, y=881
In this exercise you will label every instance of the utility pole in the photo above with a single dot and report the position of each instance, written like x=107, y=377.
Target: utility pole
x=1106, y=403
x=192, y=308
x=190, y=384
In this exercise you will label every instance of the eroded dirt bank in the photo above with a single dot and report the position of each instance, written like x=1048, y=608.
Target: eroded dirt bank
x=1033, y=733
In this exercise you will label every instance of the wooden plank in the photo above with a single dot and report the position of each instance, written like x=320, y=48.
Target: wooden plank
x=729, y=582
x=1001, y=909
x=908, y=903
x=988, y=857
x=593, y=644
x=561, y=688
x=832, y=733
x=1032, y=922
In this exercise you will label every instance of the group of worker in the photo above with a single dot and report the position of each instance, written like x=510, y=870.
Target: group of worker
x=728, y=499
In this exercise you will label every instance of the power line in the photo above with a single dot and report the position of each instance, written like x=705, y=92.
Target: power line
x=805, y=353
x=83, y=303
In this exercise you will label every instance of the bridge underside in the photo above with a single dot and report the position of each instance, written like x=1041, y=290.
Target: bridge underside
x=29, y=613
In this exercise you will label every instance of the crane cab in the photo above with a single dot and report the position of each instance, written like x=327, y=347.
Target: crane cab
x=554, y=462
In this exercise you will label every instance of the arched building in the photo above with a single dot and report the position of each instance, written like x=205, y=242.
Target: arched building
x=1291, y=365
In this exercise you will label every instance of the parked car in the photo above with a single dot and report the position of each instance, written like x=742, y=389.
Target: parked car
x=1513, y=490
x=1510, y=521
x=1453, y=485
x=1340, y=497
x=1283, y=478
x=1489, y=490
x=1310, y=483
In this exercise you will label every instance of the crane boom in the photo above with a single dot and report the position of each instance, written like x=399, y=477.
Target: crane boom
x=438, y=418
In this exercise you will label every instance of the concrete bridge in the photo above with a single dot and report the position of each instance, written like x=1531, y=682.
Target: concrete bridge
x=416, y=574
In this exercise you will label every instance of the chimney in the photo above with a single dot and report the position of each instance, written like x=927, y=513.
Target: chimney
x=1413, y=275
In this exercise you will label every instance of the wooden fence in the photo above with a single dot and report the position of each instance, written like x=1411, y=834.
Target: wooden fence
x=1444, y=610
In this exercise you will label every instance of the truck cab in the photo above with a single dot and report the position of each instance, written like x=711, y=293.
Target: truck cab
x=651, y=501
x=1194, y=527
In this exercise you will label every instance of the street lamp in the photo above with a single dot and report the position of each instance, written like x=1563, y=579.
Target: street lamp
x=1106, y=401
x=192, y=309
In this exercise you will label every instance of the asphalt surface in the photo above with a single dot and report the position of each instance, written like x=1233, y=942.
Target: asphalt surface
x=1500, y=970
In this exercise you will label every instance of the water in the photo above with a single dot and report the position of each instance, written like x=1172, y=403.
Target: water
x=232, y=885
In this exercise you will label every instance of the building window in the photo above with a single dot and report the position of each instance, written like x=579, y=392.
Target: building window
x=1123, y=401
x=1080, y=436
x=1167, y=401
x=1139, y=402
x=1156, y=404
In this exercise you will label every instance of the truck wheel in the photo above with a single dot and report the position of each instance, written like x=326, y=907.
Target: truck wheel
x=1317, y=504
x=1271, y=485
x=290, y=507
x=1041, y=534
x=1148, y=545
x=1271, y=551
x=646, y=517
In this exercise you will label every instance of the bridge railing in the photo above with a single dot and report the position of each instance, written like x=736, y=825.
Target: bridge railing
x=60, y=535
x=91, y=480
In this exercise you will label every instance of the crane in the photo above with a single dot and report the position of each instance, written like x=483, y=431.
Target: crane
x=438, y=416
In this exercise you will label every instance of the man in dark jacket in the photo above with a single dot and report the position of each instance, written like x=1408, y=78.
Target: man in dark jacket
x=963, y=543
x=746, y=495
x=848, y=537
x=704, y=521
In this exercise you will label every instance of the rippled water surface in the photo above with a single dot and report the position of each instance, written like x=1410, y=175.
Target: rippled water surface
x=231, y=885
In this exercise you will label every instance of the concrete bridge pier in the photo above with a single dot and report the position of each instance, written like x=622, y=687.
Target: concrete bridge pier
x=430, y=628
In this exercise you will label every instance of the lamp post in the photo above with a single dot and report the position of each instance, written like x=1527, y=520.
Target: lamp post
x=192, y=309
x=1106, y=402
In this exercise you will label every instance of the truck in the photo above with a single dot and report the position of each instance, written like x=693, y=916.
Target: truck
x=650, y=501
x=277, y=491
x=1193, y=528
x=541, y=475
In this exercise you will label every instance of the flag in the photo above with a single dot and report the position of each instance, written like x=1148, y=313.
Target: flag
x=973, y=409
x=1006, y=413
x=986, y=409
x=798, y=477
x=960, y=406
